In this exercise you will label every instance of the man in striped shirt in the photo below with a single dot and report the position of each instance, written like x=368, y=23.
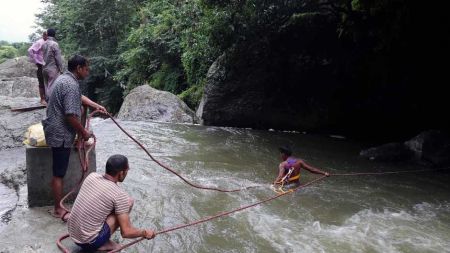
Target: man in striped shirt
x=101, y=207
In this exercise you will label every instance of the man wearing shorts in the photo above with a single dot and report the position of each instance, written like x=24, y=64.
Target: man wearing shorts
x=101, y=207
x=63, y=122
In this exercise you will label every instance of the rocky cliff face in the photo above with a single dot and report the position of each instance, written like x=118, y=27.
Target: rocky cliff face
x=18, y=88
x=272, y=84
x=304, y=78
x=148, y=104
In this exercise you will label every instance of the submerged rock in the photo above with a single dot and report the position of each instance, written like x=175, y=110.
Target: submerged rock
x=430, y=148
x=391, y=152
x=148, y=104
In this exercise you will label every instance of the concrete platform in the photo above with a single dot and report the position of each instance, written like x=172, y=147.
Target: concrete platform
x=39, y=174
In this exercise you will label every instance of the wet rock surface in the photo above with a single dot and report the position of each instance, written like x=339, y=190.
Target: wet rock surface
x=13, y=125
x=33, y=230
x=17, y=67
x=18, y=88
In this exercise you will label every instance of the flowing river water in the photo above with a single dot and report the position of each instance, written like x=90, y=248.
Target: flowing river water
x=389, y=213
x=386, y=213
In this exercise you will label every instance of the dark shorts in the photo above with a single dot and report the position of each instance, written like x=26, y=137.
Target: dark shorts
x=40, y=75
x=102, y=237
x=60, y=161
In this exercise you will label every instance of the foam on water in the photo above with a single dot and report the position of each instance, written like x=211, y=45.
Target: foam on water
x=412, y=230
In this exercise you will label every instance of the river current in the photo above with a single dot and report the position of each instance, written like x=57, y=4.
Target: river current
x=387, y=213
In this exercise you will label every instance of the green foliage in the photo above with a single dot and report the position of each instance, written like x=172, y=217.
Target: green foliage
x=12, y=50
x=22, y=48
x=7, y=52
x=101, y=85
x=167, y=78
x=171, y=44
x=152, y=50
x=93, y=29
x=89, y=27
x=192, y=95
x=171, y=49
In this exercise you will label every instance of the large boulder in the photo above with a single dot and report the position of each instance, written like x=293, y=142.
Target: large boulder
x=148, y=104
x=23, y=86
x=13, y=125
x=279, y=83
x=18, y=88
x=18, y=67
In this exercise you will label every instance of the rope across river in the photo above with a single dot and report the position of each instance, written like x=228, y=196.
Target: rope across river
x=172, y=170
x=84, y=164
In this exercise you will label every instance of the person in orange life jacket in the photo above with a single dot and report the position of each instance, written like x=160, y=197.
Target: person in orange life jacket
x=289, y=168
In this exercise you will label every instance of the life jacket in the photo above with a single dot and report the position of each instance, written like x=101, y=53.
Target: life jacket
x=288, y=170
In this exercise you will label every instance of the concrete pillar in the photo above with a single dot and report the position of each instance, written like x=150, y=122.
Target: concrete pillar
x=39, y=174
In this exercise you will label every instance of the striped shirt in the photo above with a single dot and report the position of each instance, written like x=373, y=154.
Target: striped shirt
x=98, y=198
x=65, y=99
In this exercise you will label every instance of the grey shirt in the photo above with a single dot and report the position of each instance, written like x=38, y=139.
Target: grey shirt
x=52, y=55
x=64, y=100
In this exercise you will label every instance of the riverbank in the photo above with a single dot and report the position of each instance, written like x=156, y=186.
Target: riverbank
x=31, y=230
x=23, y=229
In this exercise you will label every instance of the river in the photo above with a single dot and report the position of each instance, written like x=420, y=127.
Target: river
x=387, y=213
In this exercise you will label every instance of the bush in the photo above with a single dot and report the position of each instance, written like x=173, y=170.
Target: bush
x=7, y=52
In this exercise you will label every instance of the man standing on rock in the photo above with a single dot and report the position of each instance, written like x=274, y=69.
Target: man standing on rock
x=53, y=62
x=36, y=54
x=63, y=122
x=101, y=207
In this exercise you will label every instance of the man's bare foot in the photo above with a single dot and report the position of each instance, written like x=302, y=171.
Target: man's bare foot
x=43, y=102
x=57, y=212
x=65, y=217
x=109, y=245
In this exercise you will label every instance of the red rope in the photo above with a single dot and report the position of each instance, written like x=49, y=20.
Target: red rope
x=60, y=245
x=219, y=214
x=172, y=170
x=83, y=155
x=215, y=189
